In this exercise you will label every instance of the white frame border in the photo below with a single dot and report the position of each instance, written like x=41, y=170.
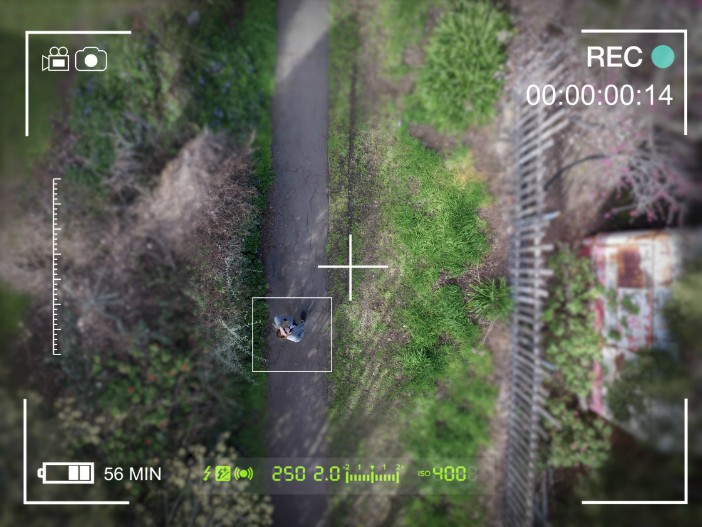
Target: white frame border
x=331, y=332
x=661, y=31
x=26, y=61
x=671, y=502
x=25, y=501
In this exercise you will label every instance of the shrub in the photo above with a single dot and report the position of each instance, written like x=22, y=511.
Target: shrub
x=579, y=442
x=659, y=377
x=146, y=383
x=183, y=502
x=652, y=375
x=684, y=310
x=129, y=121
x=572, y=343
x=490, y=299
x=460, y=81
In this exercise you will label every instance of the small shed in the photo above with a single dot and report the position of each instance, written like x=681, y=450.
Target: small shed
x=637, y=270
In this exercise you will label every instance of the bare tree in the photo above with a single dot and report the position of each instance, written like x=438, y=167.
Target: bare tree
x=623, y=151
x=632, y=158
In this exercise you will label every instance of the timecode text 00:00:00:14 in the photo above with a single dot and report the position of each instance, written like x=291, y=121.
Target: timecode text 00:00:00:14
x=588, y=95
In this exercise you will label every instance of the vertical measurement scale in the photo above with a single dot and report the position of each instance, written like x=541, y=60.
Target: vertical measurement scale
x=54, y=267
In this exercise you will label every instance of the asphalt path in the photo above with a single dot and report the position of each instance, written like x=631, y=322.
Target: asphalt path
x=296, y=241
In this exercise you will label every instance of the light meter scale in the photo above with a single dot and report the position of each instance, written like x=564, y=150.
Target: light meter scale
x=55, y=279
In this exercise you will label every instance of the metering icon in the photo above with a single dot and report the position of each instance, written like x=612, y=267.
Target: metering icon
x=67, y=473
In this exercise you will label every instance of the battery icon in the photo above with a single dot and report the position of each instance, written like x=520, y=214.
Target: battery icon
x=67, y=473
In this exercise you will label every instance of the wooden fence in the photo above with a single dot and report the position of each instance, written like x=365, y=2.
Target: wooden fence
x=535, y=133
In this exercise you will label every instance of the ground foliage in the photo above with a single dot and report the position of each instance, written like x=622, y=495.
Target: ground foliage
x=572, y=346
x=150, y=367
x=411, y=358
x=490, y=299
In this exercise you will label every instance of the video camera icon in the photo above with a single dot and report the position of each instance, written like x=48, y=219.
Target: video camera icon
x=57, y=60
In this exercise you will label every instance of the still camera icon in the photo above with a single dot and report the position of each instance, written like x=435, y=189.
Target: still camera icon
x=91, y=59
x=57, y=60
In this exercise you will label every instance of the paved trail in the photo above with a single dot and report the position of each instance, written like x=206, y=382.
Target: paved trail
x=297, y=402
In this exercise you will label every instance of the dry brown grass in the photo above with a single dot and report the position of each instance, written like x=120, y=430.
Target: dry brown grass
x=200, y=203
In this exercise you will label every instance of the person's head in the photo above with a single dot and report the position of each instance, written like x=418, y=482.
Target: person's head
x=283, y=332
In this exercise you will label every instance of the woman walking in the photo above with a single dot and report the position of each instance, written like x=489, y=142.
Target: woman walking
x=287, y=328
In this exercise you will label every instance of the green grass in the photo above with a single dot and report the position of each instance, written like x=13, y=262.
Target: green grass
x=434, y=221
x=460, y=80
x=434, y=230
x=439, y=226
x=258, y=32
x=490, y=299
x=438, y=231
x=251, y=437
x=401, y=24
x=417, y=210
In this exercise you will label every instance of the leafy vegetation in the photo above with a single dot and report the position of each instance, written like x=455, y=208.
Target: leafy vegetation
x=490, y=299
x=411, y=356
x=652, y=375
x=184, y=500
x=580, y=440
x=684, y=309
x=631, y=472
x=662, y=376
x=461, y=78
x=155, y=325
x=572, y=345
